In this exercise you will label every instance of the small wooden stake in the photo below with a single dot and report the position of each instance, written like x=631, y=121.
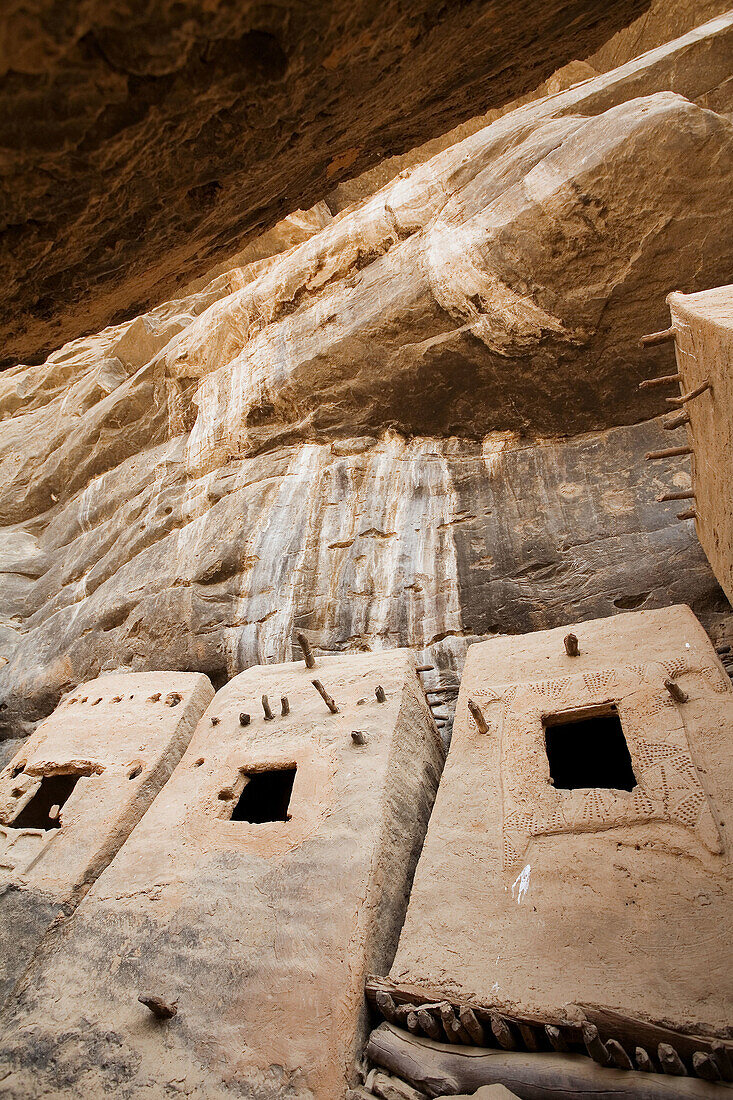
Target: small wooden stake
x=529, y=1037
x=595, y=1045
x=325, y=696
x=663, y=380
x=654, y=338
x=359, y=737
x=159, y=1008
x=379, y=692
x=502, y=1032
x=704, y=1066
x=284, y=706
x=472, y=1025
x=386, y=1005
x=244, y=719
x=679, y=494
x=690, y=395
x=670, y=1061
x=643, y=1061
x=721, y=1054
x=571, y=645
x=689, y=514
x=453, y=1028
x=676, y=691
x=619, y=1057
x=556, y=1039
x=477, y=714
x=429, y=1024
x=266, y=707
x=310, y=661
x=676, y=421
x=669, y=452
x=426, y=668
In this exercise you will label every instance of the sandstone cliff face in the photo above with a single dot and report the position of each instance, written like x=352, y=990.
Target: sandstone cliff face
x=416, y=426
x=143, y=142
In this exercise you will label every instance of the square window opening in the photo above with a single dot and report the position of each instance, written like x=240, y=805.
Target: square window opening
x=266, y=796
x=44, y=809
x=587, y=748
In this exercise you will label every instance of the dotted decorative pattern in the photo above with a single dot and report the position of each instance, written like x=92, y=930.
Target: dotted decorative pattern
x=668, y=786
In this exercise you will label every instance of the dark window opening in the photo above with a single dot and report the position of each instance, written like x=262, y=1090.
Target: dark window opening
x=44, y=809
x=266, y=796
x=587, y=748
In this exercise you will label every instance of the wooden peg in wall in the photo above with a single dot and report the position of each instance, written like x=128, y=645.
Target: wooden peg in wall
x=571, y=645
x=654, y=338
x=478, y=716
x=325, y=696
x=310, y=661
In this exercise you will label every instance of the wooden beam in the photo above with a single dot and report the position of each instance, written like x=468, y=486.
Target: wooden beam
x=663, y=380
x=439, y=1069
x=691, y=395
x=655, y=338
x=668, y=452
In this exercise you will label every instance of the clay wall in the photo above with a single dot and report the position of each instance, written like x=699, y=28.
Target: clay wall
x=100, y=758
x=262, y=931
x=533, y=896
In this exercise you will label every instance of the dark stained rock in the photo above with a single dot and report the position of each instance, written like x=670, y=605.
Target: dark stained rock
x=142, y=143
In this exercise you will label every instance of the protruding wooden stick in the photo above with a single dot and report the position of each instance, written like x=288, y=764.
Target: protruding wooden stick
x=654, y=338
x=386, y=1005
x=643, y=1061
x=472, y=1025
x=266, y=707
x=571, y=645
x=676, y=691
x=502, y=1032
x=413, y=1024
x=619, y=1057
x=689, y=514
x=244, y=719
x=452, y=1026
x=161, y=1009
x=284, y=706
x=594, y=1045
x=722, y=1058
x=676, y=421
x=359, y=737
x=556, y=1039
x=663, y=380
x=478, y=717
x=670, y=1061
x=678, y=494
x=325, y=696
x=669, y=452
x=529, y=1037
x=379, y=692
x=429, y=1024
x=690, y=395
x=310, y=661
x=704, y=1066
x=426, y=668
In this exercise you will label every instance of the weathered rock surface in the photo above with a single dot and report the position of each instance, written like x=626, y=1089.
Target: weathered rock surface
x=143, y=144
x=307, y=441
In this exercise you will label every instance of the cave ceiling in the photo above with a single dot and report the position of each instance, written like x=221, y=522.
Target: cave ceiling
x=142, y=143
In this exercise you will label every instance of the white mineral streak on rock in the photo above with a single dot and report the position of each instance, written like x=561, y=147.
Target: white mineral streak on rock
x=360, y=547
x=278, y=546
x=520, y=886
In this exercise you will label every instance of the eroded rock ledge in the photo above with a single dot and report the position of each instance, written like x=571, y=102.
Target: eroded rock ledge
x=143, y=143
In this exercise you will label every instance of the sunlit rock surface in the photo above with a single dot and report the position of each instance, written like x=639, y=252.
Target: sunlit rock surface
x=416, y=423
x=143, y=143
